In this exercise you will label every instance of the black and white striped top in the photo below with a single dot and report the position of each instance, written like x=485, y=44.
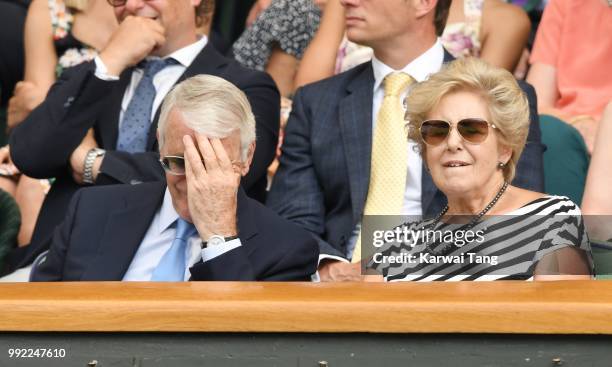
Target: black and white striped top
x=498, y=247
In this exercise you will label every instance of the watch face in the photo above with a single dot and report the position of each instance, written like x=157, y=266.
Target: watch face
x=215, y=241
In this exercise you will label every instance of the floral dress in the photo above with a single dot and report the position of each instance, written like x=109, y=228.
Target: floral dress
x=290, y=24
x=462, y=39
x=70, y=51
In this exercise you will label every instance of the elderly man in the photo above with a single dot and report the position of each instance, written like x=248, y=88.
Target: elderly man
x=97, y=125
x=345, y=151
x=201, y=226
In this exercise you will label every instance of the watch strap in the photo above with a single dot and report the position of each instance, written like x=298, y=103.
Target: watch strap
x=226, y=239
x=90, y=159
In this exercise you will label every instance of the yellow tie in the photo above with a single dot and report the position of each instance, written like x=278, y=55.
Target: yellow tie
x=389, y=163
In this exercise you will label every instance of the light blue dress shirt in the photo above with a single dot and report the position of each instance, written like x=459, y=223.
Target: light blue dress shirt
x=158, y=240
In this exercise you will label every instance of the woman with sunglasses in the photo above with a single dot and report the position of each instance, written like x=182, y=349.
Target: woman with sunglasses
x=470, y=122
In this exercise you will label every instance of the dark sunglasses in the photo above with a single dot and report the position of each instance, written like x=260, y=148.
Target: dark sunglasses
x=175, y=165
x=472, y=130
x=116, y=3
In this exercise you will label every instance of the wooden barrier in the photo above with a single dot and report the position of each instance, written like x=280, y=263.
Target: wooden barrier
x=569, y=307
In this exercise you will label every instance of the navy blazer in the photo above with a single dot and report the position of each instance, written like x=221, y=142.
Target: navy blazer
x=323, y=178
x=42, y=144
x=105, y=226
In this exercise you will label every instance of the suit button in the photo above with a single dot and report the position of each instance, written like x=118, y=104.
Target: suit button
x=69, y=101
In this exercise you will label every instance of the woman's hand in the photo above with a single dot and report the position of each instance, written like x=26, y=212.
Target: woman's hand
x=7, y=168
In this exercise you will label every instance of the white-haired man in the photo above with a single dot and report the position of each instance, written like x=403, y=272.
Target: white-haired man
x=201, y=225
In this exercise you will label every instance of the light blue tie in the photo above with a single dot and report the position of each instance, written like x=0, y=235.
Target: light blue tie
x=136, y=121
x=171, y=267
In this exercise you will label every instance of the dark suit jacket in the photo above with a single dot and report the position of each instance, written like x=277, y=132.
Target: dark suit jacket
x=105, y=226
x=41, y=146
x=323, y=178
x=12, y=19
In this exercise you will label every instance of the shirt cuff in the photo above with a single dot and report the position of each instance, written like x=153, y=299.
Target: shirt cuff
x=315, y=277
x=210, y=253
x=102, y=71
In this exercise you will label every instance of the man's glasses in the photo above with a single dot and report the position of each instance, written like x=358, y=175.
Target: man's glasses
x=472, y=130
x=175, y=165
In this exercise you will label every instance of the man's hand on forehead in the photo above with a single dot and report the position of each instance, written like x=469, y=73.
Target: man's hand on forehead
x=212, y=186
x=228, y=146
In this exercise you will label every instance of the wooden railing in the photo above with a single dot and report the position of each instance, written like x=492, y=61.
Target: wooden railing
x=570, y=307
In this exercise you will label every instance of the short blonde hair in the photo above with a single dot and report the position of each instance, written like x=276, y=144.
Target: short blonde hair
x=210, y=105
x=507, y=104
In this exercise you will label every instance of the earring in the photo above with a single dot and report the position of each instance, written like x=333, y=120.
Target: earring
x=501, y=165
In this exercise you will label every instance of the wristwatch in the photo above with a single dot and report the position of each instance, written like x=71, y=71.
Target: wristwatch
x=90, y=158
x=216, y=240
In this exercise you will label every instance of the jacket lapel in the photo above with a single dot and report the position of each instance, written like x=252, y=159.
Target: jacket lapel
x=123, y=234
x=428, y=190
x=208, y=61
x=247, y=227
x=356, y=130
x=447, y=57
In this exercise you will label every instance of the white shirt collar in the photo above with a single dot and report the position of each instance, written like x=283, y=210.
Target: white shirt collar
x=187, y=54
x=167, y=213
x=420, y=68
